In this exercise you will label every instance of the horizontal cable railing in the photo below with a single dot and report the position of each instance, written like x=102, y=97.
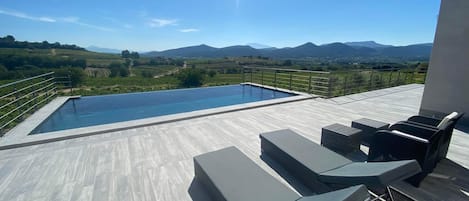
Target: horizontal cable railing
x=292, y=79
x=332, y=84
x=350, y=82
x=20, y=98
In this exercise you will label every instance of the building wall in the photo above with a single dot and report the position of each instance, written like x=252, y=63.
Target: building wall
x=447, y=82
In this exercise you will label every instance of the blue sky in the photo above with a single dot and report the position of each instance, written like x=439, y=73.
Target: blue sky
x=144, y=25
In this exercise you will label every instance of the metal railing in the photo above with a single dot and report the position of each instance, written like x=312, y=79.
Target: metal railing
x=315, y=82
x=21, y=98
x=350, y=82
x=332, y=84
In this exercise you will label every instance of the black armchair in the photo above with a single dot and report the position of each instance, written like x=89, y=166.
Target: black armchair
x=432, y=123
x=407, y=141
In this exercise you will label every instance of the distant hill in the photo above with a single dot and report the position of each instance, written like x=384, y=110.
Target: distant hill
x=418, y=50
x=307, y=50
x=103, y=50
x=191, y=51
x=370, y=44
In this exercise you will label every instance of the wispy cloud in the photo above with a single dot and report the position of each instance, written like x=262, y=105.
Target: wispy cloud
x=76, y=20
x=119, y=23
x=71, y=20
x=188, y=30
x=26, y=16
x=162, y=22
x=101, y=28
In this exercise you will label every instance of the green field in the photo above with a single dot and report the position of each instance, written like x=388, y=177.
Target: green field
x=161, y=73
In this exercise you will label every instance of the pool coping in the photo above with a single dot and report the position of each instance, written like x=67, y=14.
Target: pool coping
x=19, y=136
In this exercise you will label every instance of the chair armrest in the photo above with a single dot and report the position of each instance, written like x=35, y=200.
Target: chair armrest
x=425, y=120
x=391, y=146
x=414, y=129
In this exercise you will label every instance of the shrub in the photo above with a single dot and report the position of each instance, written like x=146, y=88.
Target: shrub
x=211, y=73
x=77, y=75
x=191, y=77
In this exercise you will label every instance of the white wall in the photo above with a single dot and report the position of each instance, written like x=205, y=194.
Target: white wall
x=447, y=82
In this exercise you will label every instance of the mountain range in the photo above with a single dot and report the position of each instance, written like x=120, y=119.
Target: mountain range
x=307, y=50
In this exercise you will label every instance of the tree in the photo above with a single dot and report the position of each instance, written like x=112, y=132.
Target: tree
x=76, y=75
x=191, y=77
x=124, y=72
x=134, y=55
x=9, y=39
x=125, y=54
x=115, y=69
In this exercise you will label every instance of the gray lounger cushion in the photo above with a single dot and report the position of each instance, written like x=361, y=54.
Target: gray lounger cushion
x=348, y=194
x=228, y=174
x=315, y=165
x=371, y=173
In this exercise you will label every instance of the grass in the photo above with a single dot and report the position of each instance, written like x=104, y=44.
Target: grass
x=101, y=86
x=228, y=72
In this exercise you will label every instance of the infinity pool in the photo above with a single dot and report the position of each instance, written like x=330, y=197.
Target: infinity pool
x=97, y=110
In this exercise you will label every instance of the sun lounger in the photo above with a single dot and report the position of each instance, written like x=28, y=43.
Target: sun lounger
x=320, y=168
x=228, y=174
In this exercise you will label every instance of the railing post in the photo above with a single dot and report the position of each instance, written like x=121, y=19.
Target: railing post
x=16, y=97
x=55, y=84
x=390, y=78
x=290, y=79
x=412, y=77
x=345, y=85
x=398, y=77
x=309, y=84
x=242, y=74
x=405, y=77
x=35, y=94
x=70, y=83
x=370, y=85
x=262, y=77
x=381, y=81
x=425, y=76
x=275, y=79
x=251, y=74
x=329, y=86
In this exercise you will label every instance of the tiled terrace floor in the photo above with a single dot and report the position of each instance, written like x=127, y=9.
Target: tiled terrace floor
x=155, y=162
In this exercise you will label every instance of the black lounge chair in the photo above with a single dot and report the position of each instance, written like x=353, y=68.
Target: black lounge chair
x=321, y=169
x=228, y=174
x=406, y=140
x=434, y=123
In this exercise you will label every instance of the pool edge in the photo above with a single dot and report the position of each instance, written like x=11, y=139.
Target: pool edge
x=28, y=140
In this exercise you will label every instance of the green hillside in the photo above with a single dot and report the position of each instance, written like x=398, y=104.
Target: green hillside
x=103, y=73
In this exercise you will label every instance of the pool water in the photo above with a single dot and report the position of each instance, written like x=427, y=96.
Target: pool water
x=97, y=110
